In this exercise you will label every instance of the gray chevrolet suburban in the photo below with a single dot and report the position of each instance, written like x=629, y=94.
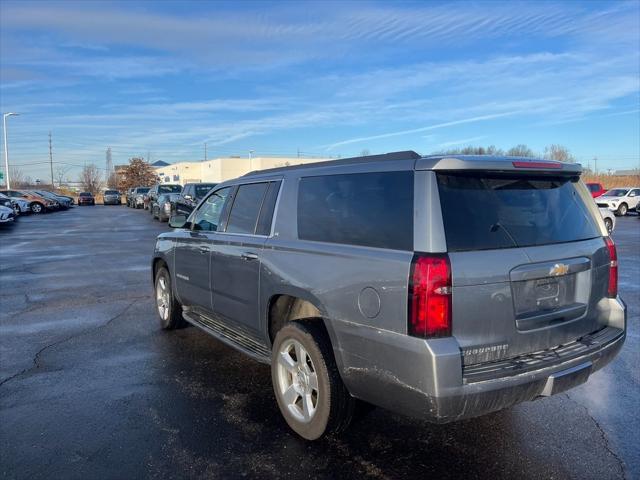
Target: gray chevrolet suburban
x=441, y=287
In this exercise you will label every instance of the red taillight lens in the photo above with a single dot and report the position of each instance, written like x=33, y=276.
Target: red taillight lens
x=612, y=291
x=430, y=296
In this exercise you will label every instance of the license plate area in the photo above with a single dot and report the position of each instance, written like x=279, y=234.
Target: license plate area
x=550, y=293
x=543, y=295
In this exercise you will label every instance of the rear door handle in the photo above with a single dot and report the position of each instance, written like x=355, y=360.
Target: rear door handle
x=249, y=256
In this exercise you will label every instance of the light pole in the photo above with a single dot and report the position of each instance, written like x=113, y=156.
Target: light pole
x=6, y=147
x=251, y=160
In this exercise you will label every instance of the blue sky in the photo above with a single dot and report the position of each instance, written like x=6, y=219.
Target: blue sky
x=329, y=78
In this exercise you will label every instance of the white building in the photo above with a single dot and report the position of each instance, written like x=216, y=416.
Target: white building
x=221, y=169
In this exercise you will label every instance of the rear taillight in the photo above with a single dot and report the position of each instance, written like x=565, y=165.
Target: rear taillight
x=430, y=296
x=612, y=291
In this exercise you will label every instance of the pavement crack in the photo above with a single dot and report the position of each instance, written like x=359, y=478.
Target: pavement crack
x=36, y=357
x=603, y=435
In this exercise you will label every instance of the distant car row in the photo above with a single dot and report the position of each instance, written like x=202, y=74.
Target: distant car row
x=164, y=200
x=14, y=203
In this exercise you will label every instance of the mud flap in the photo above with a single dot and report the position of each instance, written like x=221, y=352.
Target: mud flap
x=566, y=379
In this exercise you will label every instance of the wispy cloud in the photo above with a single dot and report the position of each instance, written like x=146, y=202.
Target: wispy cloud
x=463, y=121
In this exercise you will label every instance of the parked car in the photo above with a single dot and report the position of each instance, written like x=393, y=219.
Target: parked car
x=17, y=204
x=609, y=219
x=137, y=197
x=163, y=207
x=190, y=196
x=620, y=200
x=62, y=202
x=112, y=197
x=440, y=287
x=37, y=203
x=6, y=215
x=86, y=198
x=152, y=196
x=6, y=202
x=596, y=189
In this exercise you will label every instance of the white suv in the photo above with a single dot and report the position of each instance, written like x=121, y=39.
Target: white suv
x=620, y=200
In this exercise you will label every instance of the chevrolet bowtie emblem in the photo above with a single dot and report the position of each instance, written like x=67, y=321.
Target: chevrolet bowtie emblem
x=559, y=269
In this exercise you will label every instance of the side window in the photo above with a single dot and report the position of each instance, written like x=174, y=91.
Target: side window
x=635, y=192
x=268, y=207
x=207, y=217
x=367, y=209
x=246, y=207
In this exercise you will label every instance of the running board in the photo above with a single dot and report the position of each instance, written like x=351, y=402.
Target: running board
x=227, y=335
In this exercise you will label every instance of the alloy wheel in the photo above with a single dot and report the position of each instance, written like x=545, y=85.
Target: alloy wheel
x=163, y=298
x=297, y=380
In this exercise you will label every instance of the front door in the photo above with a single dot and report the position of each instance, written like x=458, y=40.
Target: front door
x=193, y=252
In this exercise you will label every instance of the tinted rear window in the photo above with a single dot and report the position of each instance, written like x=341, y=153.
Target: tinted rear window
x=593, y=187
x=169, y=188
x=369, y=209
x=85, y=194
x=503, y=211
x=111, y=192
x=245, y=209
x=142, y=190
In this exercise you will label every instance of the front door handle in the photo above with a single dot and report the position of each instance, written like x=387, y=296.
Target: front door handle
x=204, y=250
x=249, y=256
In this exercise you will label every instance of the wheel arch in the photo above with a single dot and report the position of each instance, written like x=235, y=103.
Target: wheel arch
x=299, y=305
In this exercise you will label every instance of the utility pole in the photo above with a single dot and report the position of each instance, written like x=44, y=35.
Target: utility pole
x=149, y=157
x=205, y=151
x=51, y=160
x=595, y=168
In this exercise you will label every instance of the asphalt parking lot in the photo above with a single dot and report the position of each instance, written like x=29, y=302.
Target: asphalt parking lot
x=90, y=387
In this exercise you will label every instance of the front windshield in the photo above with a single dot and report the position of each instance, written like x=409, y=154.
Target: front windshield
x=617, y=192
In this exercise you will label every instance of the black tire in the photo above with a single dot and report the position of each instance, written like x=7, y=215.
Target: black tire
x=335, y=406
x=622, y=210
x=36, y=207
x=173, y=319
x=609, y=224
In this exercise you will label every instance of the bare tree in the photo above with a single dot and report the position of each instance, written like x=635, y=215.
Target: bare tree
x=138, y=174
x=520, y=151
x=558, y=152
x=91, y=179
x=17, y=177
x=61, y=171
x=365, y=152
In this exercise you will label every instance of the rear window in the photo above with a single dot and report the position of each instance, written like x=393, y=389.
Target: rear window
x=169, y=188
x=246, y=207
x=85, y=194
x=142, y=190
x=593, y=187
x=111, y=192
x=483, y=211
x=202, y=190
x=369, y=209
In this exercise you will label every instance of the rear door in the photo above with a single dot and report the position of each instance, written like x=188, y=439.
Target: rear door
x=528, y=261
x=235, y=266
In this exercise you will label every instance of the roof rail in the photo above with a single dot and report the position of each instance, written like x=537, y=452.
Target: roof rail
x=403, y=155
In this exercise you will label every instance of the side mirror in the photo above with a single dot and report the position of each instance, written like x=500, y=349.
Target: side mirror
x=178, y=221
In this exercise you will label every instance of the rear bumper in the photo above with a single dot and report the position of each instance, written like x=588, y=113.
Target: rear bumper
x=425, y=378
